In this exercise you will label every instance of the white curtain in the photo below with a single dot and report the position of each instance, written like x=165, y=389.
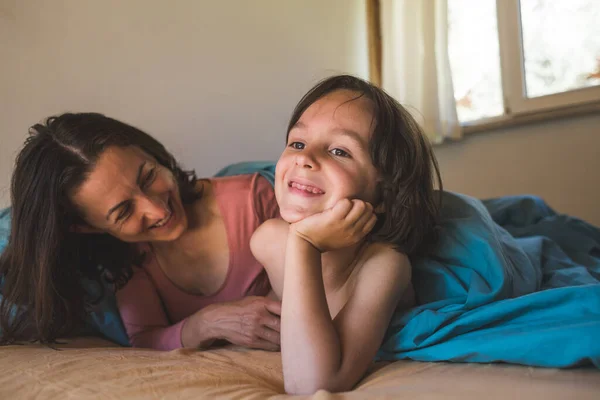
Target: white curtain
x=415, y=66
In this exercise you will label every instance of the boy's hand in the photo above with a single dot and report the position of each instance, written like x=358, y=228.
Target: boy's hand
x=348, y=222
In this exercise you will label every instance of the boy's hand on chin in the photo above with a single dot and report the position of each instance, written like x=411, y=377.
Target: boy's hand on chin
x=343, y=225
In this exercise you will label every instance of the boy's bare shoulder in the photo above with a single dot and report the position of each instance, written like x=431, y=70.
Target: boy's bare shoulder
x=384, y=260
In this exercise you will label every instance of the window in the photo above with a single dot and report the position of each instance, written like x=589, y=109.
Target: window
x=511, y=57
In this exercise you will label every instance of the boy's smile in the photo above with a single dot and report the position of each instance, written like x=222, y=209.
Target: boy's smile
x=327, y=157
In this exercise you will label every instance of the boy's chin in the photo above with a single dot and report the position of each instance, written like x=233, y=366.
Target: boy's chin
x=292, y=216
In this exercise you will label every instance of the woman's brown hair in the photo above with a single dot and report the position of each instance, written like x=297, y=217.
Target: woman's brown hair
x=44, y=262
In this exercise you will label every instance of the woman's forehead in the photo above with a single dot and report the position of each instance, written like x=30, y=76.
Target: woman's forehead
x=117, y=163
x=115, y=173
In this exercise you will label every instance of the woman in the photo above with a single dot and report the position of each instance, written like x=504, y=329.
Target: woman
x=95, y=198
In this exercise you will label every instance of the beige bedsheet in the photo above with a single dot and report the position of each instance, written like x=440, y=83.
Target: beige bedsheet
x=90, y=368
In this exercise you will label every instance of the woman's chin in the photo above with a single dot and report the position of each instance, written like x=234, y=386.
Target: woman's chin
x=177, y=230
x=173, y=233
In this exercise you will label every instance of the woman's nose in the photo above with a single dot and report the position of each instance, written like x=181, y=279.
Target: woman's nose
x=154, y=208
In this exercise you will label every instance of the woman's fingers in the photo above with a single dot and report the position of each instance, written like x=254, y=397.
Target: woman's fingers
x=273, y=306
x=272, y=322
x=269, y=335
x=262, y=344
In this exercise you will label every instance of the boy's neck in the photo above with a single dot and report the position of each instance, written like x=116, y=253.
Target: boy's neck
x=338, y=265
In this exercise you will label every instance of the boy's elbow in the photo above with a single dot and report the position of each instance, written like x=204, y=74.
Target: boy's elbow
x=295, y=388
x=309, y=387
x=257, y=246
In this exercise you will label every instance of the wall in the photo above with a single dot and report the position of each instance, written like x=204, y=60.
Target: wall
x=215, y=81
x=557, y=160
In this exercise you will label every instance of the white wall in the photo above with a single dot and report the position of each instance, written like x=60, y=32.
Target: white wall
x=557, y=160
x=217, y=80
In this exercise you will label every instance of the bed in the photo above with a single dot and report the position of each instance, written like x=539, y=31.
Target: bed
x=93, y=368
x=511, y=295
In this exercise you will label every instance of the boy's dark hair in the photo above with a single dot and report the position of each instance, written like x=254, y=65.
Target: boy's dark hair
x=405, y=161
x=44, y=262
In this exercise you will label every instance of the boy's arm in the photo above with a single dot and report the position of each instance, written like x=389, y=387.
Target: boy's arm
x=319, y=353
x=363, y=321
x=268, y=247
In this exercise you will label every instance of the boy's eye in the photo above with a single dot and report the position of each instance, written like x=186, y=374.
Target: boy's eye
x=297, y=145
x=339, y=153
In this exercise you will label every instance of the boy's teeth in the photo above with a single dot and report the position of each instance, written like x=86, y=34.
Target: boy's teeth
x=307, y=188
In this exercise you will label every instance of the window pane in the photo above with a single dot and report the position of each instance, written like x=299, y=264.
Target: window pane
x=561, y=45
x=475, y=58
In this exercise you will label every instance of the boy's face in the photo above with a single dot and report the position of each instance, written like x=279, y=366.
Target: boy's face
x=327, y=157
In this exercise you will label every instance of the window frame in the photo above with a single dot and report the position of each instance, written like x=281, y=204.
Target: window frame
x=518, y=108
x=512, y=69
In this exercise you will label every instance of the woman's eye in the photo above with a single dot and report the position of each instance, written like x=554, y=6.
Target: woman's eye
x=339, y=153
x=149, y=178
x=297, y=145
x=125, y=212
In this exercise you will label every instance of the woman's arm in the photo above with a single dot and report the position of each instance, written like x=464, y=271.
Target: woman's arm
x=252, y=321
x=321, y=353
x=147, y=324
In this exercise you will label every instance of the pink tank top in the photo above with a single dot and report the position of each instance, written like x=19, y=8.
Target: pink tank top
x=154, y=310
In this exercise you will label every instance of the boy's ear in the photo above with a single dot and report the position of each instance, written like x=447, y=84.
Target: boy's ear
x=84, y=228
x=379, y=208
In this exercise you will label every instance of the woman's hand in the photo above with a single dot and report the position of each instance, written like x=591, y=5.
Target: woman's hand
x=252, y=322
x=343, y=225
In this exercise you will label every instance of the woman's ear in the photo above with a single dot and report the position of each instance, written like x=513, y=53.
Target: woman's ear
x=84, y=228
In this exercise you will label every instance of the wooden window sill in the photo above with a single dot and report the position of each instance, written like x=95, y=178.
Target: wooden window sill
x=512, y=120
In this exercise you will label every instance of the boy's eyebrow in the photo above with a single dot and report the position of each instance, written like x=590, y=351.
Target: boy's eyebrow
x=346, y=132
x=121, y=204
x=298, y=125
x=352, y=135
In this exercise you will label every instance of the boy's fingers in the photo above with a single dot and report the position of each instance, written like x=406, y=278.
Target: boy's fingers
x=359, y=208
x=365, y=217
x=342, y=208
x=370, y=224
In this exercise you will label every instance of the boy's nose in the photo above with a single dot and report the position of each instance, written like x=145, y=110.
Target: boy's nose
x=306, y=160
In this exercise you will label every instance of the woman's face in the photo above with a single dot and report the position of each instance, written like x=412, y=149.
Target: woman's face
x=131, y=196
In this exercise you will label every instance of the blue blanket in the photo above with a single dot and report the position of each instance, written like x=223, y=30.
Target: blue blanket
x=511, y=281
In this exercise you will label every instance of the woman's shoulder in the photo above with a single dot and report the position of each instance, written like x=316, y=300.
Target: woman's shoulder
x=239, y=184
x=246, y=191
